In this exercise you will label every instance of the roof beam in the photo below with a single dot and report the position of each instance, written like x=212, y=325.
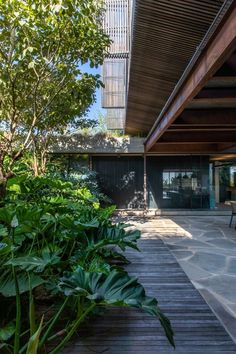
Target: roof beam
x=194, y=148
x=198, y=137
x=221, y=81
x=206, y=116
x=224, y=157
x=217, y=92
x=200, y=128
x=210, y=60
x=183, y=148
x=227, y=146
x=158, y=60
x=199, y=103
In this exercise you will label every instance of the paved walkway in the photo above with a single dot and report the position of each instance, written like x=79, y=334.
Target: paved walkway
x=205, y=247
x=130, y=331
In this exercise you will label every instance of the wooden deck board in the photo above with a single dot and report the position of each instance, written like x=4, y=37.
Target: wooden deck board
x=130, y=331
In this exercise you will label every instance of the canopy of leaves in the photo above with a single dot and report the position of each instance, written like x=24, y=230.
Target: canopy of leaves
x=43, y=46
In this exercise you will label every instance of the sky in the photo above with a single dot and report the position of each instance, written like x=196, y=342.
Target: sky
x=96, y=107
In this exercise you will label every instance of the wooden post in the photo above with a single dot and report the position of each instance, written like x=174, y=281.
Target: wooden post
x=217, y=182
x=145, y=182
x=90, y=163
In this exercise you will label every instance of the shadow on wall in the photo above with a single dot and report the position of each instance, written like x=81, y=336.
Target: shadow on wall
x=99, y=143
x=121, y=178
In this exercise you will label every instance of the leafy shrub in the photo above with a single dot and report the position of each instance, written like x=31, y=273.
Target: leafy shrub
x=58, y=244
x=76, y=170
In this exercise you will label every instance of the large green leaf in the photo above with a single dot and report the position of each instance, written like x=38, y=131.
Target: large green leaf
x=113, y=235
x=6, y=214
x=7, y=284
x=117, y=288
x=28, y=263
x=3, y=231
x=84, y=226
x=35, y=263
x=4, y=249
x=114, y=257
x=7, y=331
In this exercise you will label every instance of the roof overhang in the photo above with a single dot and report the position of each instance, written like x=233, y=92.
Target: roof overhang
x=200, y=113
x=166, y=34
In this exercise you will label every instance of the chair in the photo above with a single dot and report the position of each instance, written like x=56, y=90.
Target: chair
x=233, y=206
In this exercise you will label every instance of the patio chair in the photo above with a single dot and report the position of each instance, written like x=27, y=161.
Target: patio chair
x=233, y=206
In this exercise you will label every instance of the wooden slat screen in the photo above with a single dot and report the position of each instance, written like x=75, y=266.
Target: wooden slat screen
x=115, y=118
x=117, y=24
x=114, y=79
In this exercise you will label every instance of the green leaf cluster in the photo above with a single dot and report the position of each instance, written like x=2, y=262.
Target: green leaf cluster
x=57, y=243
x=44, y=86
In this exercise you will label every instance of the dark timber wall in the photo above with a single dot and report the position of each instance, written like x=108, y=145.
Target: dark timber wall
x=178, y=182
x=121, y=178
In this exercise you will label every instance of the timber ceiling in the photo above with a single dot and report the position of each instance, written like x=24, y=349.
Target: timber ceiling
x=200, y=115
x=166, y=35
x=208, y=123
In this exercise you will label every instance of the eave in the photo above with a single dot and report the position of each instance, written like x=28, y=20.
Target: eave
x=201, y=112
x=165, y=37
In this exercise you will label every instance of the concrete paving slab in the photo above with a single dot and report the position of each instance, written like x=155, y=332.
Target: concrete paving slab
x=208, y=261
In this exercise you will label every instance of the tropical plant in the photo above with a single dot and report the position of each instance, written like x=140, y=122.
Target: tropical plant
x=58, y=244
x=115, y=289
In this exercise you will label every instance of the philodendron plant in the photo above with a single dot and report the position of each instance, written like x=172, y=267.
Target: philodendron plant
x=115, y=289
x=61, y=249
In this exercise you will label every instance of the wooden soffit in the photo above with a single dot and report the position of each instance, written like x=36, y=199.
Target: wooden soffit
x=201, y=111
x=165, y=37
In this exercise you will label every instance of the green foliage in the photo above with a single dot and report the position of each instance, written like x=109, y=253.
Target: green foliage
x=113, y=235
x=5, y=348
x=58, y=243
x=7, y=331
x=116, y=289
x=44, y=87
x=86, y=178
x=29, y=263
x=7, y=284
x=34, y=340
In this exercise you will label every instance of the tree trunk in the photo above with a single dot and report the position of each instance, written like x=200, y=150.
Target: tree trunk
x=3, y=184
x=35, y=166
x=43, y=162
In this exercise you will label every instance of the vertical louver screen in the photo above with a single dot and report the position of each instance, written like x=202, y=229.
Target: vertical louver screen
x=116, y=25
x=115, y=68
x=114, y=79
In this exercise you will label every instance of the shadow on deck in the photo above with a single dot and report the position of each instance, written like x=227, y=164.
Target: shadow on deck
x=129, y=331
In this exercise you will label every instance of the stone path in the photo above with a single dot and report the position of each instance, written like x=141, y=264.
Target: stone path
x=130, y=331
x=205, y=247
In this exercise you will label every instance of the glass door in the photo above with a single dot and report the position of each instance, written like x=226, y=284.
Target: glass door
x=183, y=189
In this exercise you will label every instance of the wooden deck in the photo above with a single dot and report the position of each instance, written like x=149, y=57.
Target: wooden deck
x=129, y=331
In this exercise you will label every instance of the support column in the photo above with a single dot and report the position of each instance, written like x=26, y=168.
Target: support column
x=217, y=182
x=145, y=181
x=90, y=163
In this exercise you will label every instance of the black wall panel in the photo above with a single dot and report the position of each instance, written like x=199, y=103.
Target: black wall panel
x=178, y=182
x=121, y=178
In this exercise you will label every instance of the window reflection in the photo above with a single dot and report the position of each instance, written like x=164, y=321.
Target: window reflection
x=232, y=173
x=183, y=189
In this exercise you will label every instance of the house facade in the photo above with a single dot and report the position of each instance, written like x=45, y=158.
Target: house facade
x=170, y=86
